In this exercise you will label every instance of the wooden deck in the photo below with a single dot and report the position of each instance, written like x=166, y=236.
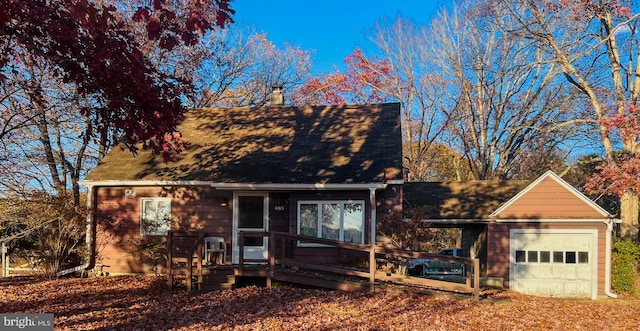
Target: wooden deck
x=282, y=265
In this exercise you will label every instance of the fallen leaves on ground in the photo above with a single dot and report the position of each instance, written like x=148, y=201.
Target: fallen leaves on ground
x=146, y=303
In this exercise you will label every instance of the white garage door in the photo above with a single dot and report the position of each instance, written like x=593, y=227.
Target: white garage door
x=558, y=263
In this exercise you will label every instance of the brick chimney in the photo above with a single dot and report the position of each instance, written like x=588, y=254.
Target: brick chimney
x=277, y=98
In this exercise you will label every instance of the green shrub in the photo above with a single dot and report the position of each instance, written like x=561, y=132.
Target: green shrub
x=624, y=266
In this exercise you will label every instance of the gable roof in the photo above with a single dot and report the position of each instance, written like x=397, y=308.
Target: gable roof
x=470, y=200
x=550, y=196
x=277, y=144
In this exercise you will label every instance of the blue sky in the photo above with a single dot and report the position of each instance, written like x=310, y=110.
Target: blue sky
x=331, y=29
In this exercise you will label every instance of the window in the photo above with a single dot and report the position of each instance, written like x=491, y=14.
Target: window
x=155, y=219
x=558, y=257
x=545, y=256
x=569, y=257
x=583, y=257
x=336, y=220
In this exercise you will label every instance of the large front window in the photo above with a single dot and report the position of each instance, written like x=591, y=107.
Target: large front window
x=156, y=216
x=337, y=220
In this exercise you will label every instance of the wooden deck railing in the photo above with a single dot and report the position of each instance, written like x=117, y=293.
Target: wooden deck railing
x=284, y=258
x=195, y=242
x=289, y=242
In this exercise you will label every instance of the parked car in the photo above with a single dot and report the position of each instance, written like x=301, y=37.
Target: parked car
x=428, y=267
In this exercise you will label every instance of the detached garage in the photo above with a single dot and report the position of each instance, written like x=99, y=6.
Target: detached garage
x=542, y=238
x=559, y=241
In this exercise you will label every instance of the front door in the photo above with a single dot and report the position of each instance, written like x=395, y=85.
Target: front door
x=250, y=213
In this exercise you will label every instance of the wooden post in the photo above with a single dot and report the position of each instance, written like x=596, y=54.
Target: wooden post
x=372, y=268
x=467, y=273
x=476, y=278
x=170, y=258
x=199, y=249
x=189, y=271
x=272, y=258
x=241, y=252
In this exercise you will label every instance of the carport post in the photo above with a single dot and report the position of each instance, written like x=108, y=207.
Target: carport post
x=476, y=278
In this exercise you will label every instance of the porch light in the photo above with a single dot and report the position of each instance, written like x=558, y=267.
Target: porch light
x=224, y=202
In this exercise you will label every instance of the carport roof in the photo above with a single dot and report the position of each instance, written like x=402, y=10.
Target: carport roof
x=460, y=202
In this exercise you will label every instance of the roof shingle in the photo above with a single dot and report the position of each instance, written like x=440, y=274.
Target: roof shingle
x=285, y=144
x=472, y=200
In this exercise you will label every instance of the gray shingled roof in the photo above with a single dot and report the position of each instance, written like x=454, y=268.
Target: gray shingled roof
x=280, y=144
x=474, y=200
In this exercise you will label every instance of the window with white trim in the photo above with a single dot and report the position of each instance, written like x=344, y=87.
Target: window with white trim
x=155, y=218
x=335, y=219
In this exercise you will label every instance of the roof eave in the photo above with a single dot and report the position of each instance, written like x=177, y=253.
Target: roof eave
x=236, y=186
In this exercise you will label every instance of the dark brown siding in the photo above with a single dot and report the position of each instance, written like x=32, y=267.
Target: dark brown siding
x=498, y=246
x=279, y=211
x=119, y=243
x=121, y=246
x=389, y=200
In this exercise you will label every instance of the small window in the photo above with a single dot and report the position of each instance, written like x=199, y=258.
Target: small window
x=583, y=257
x=532, y=256
x=558, y=257
x=520, y=257
x=155, y=219
x=570, y=257
x=545, y=256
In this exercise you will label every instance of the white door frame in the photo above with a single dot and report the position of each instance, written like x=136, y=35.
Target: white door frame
x=235, y=247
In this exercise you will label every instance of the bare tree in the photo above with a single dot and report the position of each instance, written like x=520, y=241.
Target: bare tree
x=595, y=43
x=419, y=86
x=508, y=96
x=238, y=67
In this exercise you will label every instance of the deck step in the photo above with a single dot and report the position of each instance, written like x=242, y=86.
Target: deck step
x=209, y=287
x=218, y=279
x=215, y=279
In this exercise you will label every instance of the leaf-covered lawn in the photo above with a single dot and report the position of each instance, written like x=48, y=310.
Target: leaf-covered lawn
x=145, y=303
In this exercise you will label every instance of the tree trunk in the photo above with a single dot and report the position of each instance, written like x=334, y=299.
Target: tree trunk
x=629, y=215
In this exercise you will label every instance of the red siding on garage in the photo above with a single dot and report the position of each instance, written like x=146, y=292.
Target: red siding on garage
x=498, y=245
x=548, y=200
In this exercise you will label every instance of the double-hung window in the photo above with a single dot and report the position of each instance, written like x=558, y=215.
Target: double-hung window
x=336, y=220
x=155, y=218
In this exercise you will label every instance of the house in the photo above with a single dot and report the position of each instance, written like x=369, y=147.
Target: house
x=542, y=237
x=326, y=171
x=332, y=172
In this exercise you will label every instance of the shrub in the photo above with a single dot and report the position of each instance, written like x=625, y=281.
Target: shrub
x=624, y=266
x=48, y=230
